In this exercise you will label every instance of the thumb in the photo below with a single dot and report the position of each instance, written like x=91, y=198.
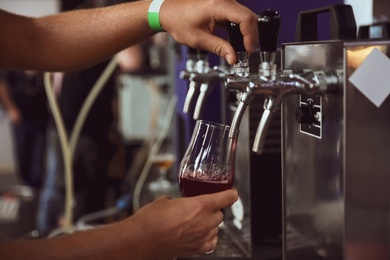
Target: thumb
x=218, y=46
x=221, y=200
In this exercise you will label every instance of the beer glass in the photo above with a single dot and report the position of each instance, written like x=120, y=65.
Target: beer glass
x=162, y=162
x=208, y=164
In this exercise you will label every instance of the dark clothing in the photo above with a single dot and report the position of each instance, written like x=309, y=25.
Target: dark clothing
x=28, y=93
x=29, y=144
x=75, y=88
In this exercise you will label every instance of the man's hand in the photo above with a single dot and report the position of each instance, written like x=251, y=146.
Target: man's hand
x=192, y=23
x=183, y=226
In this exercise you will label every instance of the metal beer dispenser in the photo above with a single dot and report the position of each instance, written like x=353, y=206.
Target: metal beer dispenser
x=335, y=138
x=336, y=145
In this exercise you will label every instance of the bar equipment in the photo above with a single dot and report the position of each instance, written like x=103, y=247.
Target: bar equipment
x=189, y=73
x=268, y=24
x=335, y=173
x=335, y=141
x=201, y=78
x=258, y=176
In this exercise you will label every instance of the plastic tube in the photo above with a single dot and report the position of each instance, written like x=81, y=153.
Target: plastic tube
x=68, y=146
x=66, y=154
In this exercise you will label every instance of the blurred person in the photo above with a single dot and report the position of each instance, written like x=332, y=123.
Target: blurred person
x=23, y=96
x=165, y=228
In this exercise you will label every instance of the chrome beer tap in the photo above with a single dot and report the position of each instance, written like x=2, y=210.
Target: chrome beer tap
x=275, y=84
x=239, y=79
x=268, y=28
x=203, y=77
x=189, y=73
x=244, y=82
x=203, y=67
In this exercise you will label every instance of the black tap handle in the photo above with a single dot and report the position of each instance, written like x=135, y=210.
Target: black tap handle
x=235, y=37
x=192, y=52
x=268, y=26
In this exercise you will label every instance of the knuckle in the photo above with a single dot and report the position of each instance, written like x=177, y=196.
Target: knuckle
x=218, y=49
x=216, y=2
x=220, y=216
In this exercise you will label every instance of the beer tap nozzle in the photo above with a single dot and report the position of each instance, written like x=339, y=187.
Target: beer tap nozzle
x=189, y=96
x=204, y=87
x=192, y=67
x=203, y=68
x=245, y=100
x=266, y=118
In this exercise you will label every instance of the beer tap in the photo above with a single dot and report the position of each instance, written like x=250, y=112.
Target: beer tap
x=189, y=73
x=203, y=68
x=268, y=29
x=275, y=84
x=239, y=79
x=201, y=77
x=268, y=26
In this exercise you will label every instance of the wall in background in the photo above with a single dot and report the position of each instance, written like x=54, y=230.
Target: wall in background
x=363, y=11
x=30, y=8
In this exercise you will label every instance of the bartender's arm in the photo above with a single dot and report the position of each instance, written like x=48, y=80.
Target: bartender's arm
x=76, y=39
x=164, y=229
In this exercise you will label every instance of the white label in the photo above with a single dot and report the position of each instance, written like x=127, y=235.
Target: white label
x=372, y=77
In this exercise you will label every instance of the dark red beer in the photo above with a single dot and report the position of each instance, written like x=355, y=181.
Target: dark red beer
x=200, y=183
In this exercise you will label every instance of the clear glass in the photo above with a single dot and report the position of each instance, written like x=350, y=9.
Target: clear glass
x=208, y=164
x=162, y=162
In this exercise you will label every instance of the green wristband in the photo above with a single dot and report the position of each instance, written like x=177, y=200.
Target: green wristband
x=154, y=15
